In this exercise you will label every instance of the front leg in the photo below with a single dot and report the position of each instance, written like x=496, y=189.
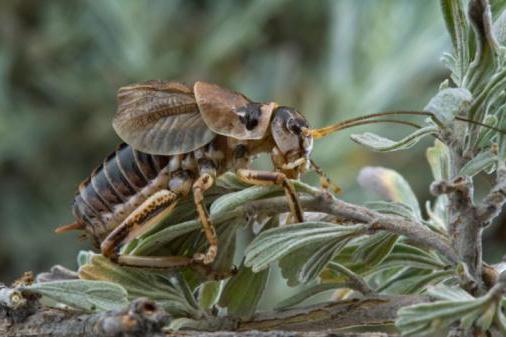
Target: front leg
x=275, y=178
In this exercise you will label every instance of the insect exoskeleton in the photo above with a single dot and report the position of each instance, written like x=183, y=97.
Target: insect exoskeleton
x=178, y=140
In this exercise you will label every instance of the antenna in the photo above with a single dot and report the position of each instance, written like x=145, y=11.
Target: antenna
x=361, y=120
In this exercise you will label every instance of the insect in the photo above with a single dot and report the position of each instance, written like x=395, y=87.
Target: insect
x=178, y=140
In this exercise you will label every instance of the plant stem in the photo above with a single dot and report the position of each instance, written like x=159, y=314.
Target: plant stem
x=326, y=203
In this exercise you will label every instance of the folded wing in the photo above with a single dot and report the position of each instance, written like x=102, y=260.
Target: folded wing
x=160, y=117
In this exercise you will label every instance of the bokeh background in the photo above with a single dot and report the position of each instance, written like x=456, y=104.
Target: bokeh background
x=62, y=61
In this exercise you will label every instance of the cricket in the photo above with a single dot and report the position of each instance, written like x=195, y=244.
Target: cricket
x=177, y=141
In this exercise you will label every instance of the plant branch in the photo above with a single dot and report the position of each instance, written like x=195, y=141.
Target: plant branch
x=466, y=224
x=326, y=203
x=143, y=318
x=277, y=333
x=140, y=318
x=334, y=315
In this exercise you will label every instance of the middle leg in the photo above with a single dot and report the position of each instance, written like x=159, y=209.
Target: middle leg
x=206, y=179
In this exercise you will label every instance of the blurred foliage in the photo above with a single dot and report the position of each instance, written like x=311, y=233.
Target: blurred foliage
x=61, y=63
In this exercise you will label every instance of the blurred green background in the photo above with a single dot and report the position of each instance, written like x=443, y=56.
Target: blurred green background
x=61, y=63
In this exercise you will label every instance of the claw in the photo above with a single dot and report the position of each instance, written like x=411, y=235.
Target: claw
x=208, y=257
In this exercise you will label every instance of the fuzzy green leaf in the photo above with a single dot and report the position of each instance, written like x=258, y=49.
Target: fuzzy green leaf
x=448, y=103
x=243, y=291
x=83, y=294
x=487, y=135
x=167, y=291
x=456, y=24
x=439, y=160
x=275, y=243
x=209, y=293
x=151, y=243
x=478, y=164
x=84, y=257
x=480, y=17
x=402, y=260
x=485, y=320
x=381, y=144
x=414, y=282
x=500, y=320
x=412, y=318
x=306, y=263
x=401, y=257
x=390, y=185
x=427, y=318
x=232, y=200
x=375, y=249
x=446, y=293
x=500, y=28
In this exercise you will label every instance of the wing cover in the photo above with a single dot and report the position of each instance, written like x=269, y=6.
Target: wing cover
x=230, y=113
x=160, y=117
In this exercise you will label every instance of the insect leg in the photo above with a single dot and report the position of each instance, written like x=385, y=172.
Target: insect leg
x=148, y=214
x=277, y=178
x=202, y=184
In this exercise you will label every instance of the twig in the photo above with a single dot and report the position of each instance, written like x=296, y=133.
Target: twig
x=278, y=333
x=140, y=318
x=337, y=315
x=326, y=203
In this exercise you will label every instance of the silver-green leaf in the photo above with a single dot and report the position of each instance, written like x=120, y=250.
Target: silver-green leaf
x=83, y=294
x=275, y=243
x=478, y=164
x=242, y=292
x=382, y=144
x=448, y=103
x=390, y=185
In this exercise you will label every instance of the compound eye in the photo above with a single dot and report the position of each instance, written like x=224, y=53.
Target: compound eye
x=294, y=126
x=291, y=126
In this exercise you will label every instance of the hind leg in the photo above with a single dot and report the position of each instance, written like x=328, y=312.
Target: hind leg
x=148, y=214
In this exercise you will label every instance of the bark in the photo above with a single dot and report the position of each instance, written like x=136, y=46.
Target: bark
x=140, y=318
x=144, y=318
x=278, y=333
x=379, y=310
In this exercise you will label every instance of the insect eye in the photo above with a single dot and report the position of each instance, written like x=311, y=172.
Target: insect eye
x=293, y=126
x=290, y=125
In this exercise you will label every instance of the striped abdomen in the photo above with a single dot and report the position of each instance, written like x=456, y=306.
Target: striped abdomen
x=115, y=188
x=128, y=177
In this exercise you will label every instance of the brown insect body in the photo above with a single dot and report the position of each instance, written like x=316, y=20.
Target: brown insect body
x=127, y=177
x=178, y=141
